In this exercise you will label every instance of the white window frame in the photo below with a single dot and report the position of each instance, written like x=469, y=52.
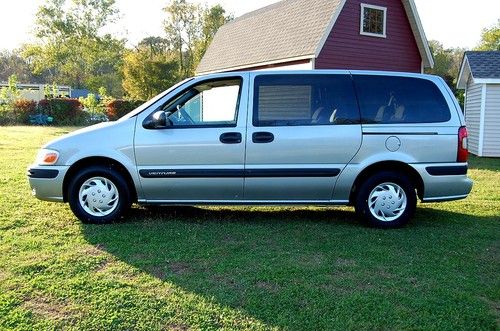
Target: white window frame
x=384, y=9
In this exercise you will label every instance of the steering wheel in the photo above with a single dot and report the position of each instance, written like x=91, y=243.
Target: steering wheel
x=185, y=115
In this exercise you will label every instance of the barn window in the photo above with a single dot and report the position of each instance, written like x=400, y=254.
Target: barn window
x=373, y=20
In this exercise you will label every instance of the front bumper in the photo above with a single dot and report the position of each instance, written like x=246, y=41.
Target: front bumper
x=46, y=182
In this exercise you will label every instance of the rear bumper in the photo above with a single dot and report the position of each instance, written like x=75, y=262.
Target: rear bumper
x=444, y=182
x=46, y=182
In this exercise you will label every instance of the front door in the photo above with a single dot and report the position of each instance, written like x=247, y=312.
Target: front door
x=302, y=131
x=200, y=155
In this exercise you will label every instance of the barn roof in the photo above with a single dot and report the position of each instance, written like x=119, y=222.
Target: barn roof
x=483, y=66
x=288, y=30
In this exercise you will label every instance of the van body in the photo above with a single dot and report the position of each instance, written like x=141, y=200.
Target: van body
x=375, y=140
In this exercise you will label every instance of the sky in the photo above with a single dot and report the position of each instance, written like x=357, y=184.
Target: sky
x=455, y=23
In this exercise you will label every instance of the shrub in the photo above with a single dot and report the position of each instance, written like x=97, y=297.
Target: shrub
x=6, y=115
x=64, y=111
x=120, y=107
x=92, y=104
x=22, y=109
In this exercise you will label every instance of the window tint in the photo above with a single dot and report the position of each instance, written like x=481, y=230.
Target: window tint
x=400, y=100
x=207, y=104
x=304, y=100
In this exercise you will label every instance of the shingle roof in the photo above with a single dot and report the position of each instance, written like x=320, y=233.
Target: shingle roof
x=484, y=64
x=287, y=29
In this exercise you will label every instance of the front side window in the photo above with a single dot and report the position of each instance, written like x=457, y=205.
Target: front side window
x=373, y=20
x=393, y=100
x=212, y=103
x=294, y=100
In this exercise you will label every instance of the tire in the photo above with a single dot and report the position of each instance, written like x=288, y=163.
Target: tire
x=107, y=186
x=387, y=189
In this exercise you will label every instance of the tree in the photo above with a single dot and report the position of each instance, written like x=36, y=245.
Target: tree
x=212, y=19
x=447, y=65
x=150, y=69
x=10, y=93
x=190, y=29
x=490, y=39
x=182, y=28
x=72, y=49
x=13, y=64
x=155, y=45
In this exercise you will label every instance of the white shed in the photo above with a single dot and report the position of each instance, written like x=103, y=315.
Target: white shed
x=480, y=77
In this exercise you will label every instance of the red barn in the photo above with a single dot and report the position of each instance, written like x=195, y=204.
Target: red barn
x=322, y=34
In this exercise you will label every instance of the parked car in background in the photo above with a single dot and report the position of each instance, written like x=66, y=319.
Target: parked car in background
x=374, y=140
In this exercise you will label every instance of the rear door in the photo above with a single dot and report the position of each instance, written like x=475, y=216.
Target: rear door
x=200, y=156
x=302, y=131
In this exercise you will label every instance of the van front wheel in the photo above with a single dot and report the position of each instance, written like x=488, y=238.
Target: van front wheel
x=386, y=200
x=98, y=195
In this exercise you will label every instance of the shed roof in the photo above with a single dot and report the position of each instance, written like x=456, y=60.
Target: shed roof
x=483, y=66
x=286, y=31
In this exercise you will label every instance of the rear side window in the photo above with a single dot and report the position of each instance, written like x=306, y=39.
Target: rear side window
x=294, y=100
x=389, y=100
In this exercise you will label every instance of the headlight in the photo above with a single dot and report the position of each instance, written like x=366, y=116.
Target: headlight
x=47, y=157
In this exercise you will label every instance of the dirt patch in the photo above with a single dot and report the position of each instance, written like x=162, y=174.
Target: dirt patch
x=177, y=327
x=158, y=272
x=3, y=275
x=180, y=268
x=102, y=266
x=48, y=308
x=345, y=263
x=226, y=281
x=96, y=250
x=268, y=286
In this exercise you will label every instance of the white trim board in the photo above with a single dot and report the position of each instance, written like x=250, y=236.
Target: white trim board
x=481, y=120
x=329, y=29
x=260, y=64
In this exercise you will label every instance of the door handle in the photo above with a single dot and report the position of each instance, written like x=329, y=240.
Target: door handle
x=262, y=137
x=230, y=138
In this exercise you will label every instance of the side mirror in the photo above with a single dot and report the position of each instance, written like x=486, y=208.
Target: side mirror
x=157, y=120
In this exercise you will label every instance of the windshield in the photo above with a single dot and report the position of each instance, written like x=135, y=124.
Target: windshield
x=145, y=105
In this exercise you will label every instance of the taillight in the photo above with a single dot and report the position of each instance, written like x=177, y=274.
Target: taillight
x=463, y=151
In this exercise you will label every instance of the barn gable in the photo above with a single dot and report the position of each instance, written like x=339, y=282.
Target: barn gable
x=293, y=32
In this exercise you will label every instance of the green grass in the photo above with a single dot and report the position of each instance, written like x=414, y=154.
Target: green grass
x=244, y=268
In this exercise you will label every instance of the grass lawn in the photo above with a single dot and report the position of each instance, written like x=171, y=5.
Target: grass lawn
x=244, y=268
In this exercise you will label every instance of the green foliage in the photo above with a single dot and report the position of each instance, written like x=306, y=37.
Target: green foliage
x=244, y=268
x=10, y=93
x=11, y=63
x=190, y=29
x=490, y=39
x=147, y=73
x=92, y=104
x=447, y=65
x=71, y=47
x=212, y=19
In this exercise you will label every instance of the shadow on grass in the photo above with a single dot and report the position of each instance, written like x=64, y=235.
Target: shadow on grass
x=484, y=163
x=298, y=268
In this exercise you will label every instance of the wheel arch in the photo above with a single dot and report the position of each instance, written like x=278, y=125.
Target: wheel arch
x=396, y=166
x=99, y=161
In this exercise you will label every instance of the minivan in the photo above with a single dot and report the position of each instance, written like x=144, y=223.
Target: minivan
x=373, y=140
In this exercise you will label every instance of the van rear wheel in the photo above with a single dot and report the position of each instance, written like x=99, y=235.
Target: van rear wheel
x=98, y=195
x=386, y=200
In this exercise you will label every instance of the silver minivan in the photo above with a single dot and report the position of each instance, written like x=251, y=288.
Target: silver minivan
x=374, y=140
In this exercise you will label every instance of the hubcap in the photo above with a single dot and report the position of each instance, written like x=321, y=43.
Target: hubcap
x=98, y=196
x=387, y=202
